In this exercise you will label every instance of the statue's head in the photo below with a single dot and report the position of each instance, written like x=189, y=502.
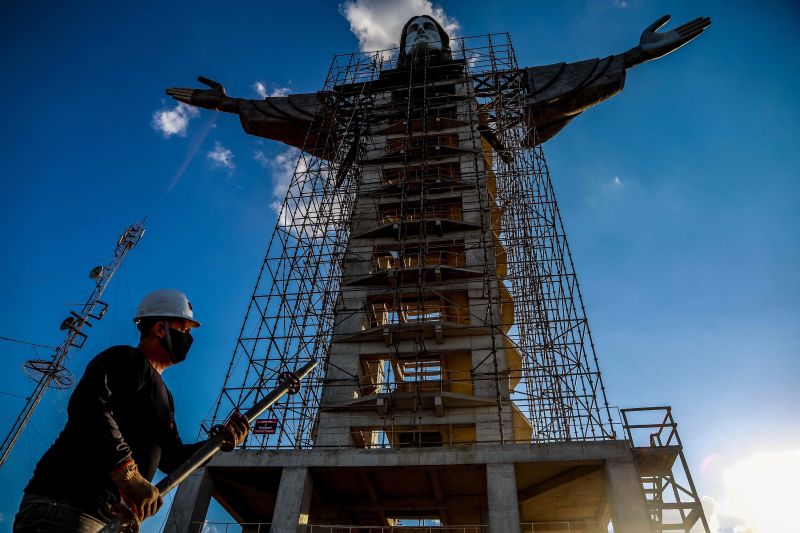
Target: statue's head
x=423, y=33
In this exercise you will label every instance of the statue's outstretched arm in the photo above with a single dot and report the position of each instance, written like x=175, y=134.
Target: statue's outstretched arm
x=287, y=119
x=213, y=98
x=654, y=44
x=556, y=94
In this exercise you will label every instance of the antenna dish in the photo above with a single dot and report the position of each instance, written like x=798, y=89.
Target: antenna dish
x=67, y=323
x=96, y=272
x=59, y=376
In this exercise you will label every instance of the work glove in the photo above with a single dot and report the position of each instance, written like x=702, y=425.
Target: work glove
x=238, y=427
x=129, y=523
x=142, y=497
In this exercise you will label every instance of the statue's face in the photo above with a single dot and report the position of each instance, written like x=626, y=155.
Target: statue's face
x=422, y=33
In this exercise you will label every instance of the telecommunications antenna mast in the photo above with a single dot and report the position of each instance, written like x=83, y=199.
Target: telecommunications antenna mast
x=52, y=372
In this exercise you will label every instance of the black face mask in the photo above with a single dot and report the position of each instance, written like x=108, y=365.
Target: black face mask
x=177, y=343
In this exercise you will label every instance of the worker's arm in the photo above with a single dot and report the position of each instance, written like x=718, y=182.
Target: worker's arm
x=110, y=376
x=110, y=380
x=174, y=452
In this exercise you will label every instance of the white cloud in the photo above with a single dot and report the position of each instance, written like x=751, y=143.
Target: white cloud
x=761, y=489
x=377, y=23
x=261, y=88
x=710, y=509
x=174, y=121
x=603, y=191
x=621, y=4
x=307, y=210
x=209, y=528
x=221, y=156
x=262, y=158
x=282, y=169
x=754, y=494
x=613, y=187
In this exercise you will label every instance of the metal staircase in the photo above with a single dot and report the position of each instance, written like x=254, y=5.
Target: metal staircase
x=669, y=491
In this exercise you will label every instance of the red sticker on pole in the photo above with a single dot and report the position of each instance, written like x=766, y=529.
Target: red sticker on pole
x=265, y=426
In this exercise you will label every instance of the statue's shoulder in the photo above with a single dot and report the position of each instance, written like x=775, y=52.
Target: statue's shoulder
x=549, y=82
x=301, y=106
x=540, y=78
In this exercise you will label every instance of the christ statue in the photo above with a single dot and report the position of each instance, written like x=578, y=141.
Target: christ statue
x=555, y=93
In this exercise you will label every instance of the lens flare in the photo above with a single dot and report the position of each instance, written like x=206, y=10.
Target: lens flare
x=762, y=489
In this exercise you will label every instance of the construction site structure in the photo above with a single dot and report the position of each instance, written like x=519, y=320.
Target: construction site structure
x=421, y=257
x=51, y=372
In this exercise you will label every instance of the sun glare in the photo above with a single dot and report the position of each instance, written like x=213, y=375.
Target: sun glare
x=763, y=490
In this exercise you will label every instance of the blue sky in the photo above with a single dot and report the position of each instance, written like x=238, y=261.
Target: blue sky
x=680, y=197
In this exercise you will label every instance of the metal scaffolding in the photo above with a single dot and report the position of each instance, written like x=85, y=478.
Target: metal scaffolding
x=527, y=265
x=670, y=494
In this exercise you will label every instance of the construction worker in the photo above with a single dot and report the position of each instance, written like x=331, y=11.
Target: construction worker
x=120, y=428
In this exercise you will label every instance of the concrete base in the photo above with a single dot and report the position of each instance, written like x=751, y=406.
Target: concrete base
x=502, y=497
x=294, y=499
x=191, y=504
x=579, y=486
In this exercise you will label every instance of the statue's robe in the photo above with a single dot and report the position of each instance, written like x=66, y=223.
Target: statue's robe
x=555, y=94
x=287, y=119
x=558, y=93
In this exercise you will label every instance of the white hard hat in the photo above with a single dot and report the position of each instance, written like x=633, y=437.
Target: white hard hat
x=167, y=303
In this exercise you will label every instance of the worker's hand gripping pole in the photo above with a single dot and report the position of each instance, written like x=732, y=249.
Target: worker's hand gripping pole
x=220, y=437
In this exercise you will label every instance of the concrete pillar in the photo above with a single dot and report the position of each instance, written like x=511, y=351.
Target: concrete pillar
x=293, y=502
x=626, y=497
x=190, y=506
x=502, y=495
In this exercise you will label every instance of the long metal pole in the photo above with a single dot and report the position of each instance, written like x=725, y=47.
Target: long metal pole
x=290, y=383
x=214, y=444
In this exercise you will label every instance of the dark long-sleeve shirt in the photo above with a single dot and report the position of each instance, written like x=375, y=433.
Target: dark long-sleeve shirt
x=120, y=409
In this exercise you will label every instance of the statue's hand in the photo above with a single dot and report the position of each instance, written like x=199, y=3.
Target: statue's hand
x=654, y=44
x=212, y=98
